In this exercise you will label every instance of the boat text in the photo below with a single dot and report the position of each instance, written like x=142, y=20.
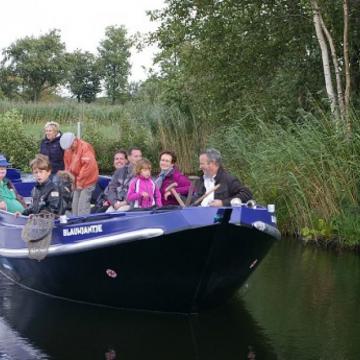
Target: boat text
x=82, y=230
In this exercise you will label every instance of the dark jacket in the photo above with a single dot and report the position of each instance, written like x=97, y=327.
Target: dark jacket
x=46, y=197
x=230, y=188
x=55, y=153
x=119, y=184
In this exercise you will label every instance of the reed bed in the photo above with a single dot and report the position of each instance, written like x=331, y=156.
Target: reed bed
x=310, y=169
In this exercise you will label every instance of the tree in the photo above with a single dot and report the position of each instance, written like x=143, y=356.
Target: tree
x=35, y=63
x=219, y=57
x=83, y=76
x=339, y=99
x=114, y=52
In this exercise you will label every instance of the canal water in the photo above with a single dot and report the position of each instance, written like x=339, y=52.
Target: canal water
x=301, y=303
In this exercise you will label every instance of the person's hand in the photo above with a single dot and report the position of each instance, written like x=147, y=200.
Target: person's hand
x=17, y=213
x=144, y=194
x=118, y=204
x=216, y=203
x=167, y=194
x=3, y=205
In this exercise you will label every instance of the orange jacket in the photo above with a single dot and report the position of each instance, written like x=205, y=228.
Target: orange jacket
x=81, y=162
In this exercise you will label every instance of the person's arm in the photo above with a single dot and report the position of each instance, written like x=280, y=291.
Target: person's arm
x=157, y=196
x=237, y=190
x=132, y=195
x=53, y=201
x=19, y=198
x=43, y=148
x=29, y=210
x=183, y=184
x=87, y=169
x=67, y=159
x=112, y=195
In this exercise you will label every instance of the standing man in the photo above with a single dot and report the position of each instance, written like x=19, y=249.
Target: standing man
x=119, y=184
x=214, y=174
x=80, y=161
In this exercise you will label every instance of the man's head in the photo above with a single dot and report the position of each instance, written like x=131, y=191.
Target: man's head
x=210, y=161
x=68, y=141
x=134, y=155
x=120, y=159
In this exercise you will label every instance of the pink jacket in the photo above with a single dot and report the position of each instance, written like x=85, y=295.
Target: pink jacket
x=139, y=185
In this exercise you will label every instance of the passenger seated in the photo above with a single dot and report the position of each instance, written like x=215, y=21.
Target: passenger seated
x=45, y=194
x=10, y=200
x=119, y=184
x=143, y=192
x=101, y=200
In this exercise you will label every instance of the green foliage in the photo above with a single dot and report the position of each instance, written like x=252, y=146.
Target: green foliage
x=114, y=53
x=31, y=65
x=15, y=143
x=83, y=76
x=220, y=57
x=321, y=230
x=310, y=170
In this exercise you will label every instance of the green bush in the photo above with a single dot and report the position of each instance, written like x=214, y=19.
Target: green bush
x=19, y=146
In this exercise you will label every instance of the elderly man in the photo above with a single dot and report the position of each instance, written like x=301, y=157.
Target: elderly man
x=119, y=184
x=214, y=174
x=80, y=161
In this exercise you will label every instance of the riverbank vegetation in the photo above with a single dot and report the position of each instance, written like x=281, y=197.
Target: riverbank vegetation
x=274, y=86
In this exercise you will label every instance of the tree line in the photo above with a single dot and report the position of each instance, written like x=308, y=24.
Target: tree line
x=34, y=66
x=222, y=59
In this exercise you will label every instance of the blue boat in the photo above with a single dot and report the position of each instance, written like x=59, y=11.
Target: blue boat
x=179, y=260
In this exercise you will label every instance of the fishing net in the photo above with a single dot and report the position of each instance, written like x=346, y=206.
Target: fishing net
x=37, y=234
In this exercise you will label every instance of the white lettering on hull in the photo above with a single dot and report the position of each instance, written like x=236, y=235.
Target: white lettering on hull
x=83, y=230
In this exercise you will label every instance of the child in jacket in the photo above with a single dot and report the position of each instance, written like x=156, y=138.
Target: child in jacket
x=45, y=194
x=143, y=193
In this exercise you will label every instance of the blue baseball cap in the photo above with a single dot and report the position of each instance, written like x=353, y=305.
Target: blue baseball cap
x=3, y=161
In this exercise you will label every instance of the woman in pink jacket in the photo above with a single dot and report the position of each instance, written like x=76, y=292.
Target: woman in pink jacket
x=143, y=192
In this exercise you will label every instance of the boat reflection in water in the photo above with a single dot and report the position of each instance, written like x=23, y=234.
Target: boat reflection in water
x=47, y=328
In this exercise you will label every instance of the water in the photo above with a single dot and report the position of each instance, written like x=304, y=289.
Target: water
x=301, y=303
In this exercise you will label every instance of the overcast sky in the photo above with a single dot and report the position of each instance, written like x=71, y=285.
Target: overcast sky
x=82, y=23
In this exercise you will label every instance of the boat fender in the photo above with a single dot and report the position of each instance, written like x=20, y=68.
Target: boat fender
x=267, y=229
x=235, y=202
x=251, y=203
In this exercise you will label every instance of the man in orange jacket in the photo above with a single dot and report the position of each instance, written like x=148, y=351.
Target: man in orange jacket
x=80, y=161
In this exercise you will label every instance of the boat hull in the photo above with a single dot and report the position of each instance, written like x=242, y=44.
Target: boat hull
x=184, y=271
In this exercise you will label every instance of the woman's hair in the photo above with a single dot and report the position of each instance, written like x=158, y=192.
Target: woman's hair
x=40, y=162
x=171, y=153
x=142, y=164
x=52, y=124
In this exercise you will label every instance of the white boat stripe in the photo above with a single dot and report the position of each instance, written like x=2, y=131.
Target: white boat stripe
x=85, y=245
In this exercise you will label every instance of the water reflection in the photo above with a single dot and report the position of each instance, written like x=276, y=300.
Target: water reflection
x=307, y=300
x=56, y=329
